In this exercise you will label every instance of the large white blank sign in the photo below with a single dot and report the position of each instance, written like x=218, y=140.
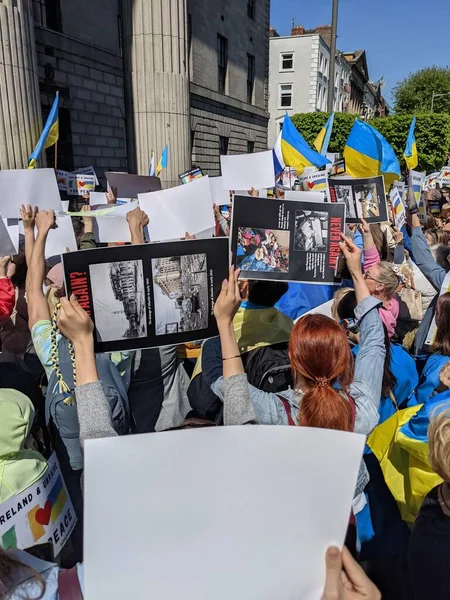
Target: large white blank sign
x=28, y=186
x=227, y=512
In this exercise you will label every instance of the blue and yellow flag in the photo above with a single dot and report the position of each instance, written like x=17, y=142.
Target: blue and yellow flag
x=411, y=155
x=368, y=154
x=323, y=139
x=162, y=164
x=49, y=135
x=296, y=152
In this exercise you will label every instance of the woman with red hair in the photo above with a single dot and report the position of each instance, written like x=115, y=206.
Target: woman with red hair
x=331, y=389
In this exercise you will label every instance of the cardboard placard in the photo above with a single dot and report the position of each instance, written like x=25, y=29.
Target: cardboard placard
x=126, y=185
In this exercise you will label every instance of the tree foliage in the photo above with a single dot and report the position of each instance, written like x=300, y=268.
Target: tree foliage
x=413, y=94
x=432, y=134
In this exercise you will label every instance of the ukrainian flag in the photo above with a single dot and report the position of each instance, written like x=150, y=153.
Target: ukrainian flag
x=162, y=164
x=411, y=155
x=49, y=135
x=368, y=154
x=323, y=139
x=296, y=152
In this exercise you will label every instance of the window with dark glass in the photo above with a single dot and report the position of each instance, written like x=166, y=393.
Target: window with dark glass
x=251, y=9
x=222, y=63
x=287, y=61
x=286, y=95
x=250, y=77
x=47, y=13
x=250, y=147
x=223, y=145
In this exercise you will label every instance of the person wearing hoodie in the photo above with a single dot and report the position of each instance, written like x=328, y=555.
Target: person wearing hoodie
x=20, y=466
x=381, y=280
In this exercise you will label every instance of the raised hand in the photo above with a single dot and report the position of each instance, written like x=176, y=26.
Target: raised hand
x=28, y=215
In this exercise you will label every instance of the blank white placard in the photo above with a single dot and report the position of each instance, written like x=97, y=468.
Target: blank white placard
x=304, y=196
x=97, y=198
x=247, y=171
x=173, y=212
x=219, y=196
x=322, y=309
x=113, y=227
x=28, y=186
x=226, y=512
x=61, y=238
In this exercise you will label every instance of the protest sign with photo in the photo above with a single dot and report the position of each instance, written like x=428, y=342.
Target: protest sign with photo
x=43, y=512
x=190, y=175
x=81, y=184
x=125, y=185
x=62, y=178
x=289, y=177
x=398, y=208
x=363, y=198
x=149, y=295
x=286, y=240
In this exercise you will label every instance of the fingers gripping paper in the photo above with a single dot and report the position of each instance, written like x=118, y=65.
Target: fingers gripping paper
x=256, y=507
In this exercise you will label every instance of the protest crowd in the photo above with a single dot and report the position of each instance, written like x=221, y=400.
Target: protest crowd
x=333, y=313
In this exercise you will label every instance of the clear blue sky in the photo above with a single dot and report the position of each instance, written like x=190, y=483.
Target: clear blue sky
x=399, y=36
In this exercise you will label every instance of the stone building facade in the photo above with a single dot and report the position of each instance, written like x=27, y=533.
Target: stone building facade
x=133, y=76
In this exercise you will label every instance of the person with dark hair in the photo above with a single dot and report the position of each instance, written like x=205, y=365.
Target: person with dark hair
x=257, y=325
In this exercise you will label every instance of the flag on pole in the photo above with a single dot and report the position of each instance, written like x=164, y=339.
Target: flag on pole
x=368, y=154
x=323, y=139
x=162, y=164
x=296, y=152
x=151, y=170
x=411, y=155
x=49, y=135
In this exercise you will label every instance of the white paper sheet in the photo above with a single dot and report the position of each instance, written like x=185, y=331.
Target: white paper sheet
x=304, y=196
x=113, y=227
x=262, y=193
x=7, y=246
x=12, y=225
x=61, y=238
x=97, y=198
x=218, y=194
x=27, y=186
x=255, y=507
x=174, y=211
x=65, y=205
x=322, y=309
x=247, y=171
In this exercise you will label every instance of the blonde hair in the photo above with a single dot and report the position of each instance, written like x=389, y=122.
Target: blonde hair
x=336, y=300
x=388, y=278
x=439, y=440
x=51, y=294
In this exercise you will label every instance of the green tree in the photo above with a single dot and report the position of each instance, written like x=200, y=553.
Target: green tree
x=413, y=94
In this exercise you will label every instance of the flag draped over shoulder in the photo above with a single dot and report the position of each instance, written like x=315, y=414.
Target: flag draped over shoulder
x=49, y=135
x=368, y=154
x=411, y=155
x=323, y=139
x=162, y=164
x=296, y=152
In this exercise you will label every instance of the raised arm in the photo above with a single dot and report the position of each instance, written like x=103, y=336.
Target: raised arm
x=137, y=221
x=28, y=215
x=93, y=410
x=371, y=255
x=423, y=257
x=37, y=303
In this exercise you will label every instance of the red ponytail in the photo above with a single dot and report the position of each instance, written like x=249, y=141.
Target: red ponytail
x=320, y=353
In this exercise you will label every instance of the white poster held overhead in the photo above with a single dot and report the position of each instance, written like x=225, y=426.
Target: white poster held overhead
x=61, y=239
x=247, y=171
x=219, y=196
x=41, y=513
x=113, y=227
x=37, y=187
x=231, y=522
x=173, y=212
x=444, y=177
x=96, y=198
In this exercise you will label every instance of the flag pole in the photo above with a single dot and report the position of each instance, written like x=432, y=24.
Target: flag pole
x=334, y=24
x=56, y=155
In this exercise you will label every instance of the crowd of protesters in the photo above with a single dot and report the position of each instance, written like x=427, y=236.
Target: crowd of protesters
x=379, y=364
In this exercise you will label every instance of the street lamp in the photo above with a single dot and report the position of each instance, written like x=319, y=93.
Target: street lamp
x=437, y=96
x=331, y=74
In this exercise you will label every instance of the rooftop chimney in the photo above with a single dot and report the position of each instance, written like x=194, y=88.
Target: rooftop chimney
x=325, y=32
x=273, y=32
x=298, y=30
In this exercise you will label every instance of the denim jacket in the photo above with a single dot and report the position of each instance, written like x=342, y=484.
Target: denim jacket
x=365, y=388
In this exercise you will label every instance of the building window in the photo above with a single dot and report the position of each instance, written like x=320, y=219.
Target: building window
x=250, y=147
x=287, y=61
x=251, y=9
x=286, y=95
x=222, y=63
x=47, y=13
x=325, y=68
x=250, y=77
x=223, y=145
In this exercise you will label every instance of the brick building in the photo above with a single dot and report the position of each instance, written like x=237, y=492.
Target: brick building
x=133, y=76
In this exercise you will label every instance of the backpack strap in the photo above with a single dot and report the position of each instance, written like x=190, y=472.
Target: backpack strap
x=69, y=585
x=353, y=408
x=287, y=408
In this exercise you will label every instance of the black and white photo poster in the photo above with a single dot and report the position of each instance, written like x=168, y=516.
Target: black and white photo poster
x=286, y=240
x=363, y=198
x=151, y=294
